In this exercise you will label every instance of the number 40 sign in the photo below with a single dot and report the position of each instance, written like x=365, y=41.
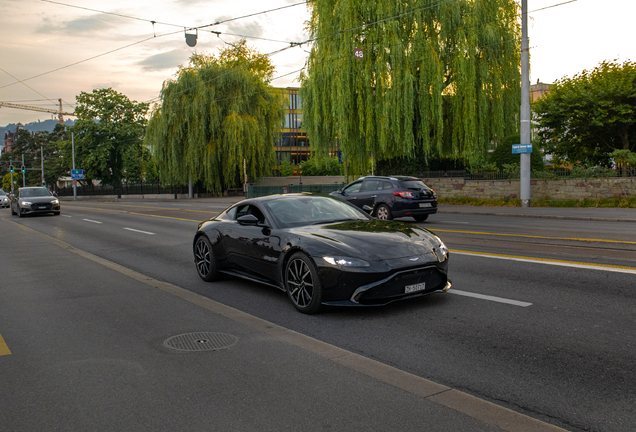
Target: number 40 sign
x=358, y=53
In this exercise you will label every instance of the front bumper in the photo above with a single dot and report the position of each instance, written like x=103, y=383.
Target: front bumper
x=366, y=287
x=40, y=208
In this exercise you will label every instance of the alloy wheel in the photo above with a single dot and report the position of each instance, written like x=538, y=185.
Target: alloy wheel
x=300, y=283
x=202, y=258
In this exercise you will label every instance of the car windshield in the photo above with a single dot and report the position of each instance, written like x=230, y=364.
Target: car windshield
x=36, y=192
x=414, y=185
x=293, y=211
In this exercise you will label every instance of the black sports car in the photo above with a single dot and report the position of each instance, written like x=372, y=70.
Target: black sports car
x=33, y=200
x=321, y=250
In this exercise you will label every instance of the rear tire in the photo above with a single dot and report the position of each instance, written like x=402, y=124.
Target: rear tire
x=302, y=284
x=204, y=260
x=420, y=218
x=383, y=212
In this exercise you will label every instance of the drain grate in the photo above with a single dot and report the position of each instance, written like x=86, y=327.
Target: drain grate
x=201, y=341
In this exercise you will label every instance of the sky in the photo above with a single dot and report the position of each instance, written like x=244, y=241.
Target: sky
x=42, y=37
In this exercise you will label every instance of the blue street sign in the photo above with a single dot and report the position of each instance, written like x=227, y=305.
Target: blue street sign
x=521, y=148
x=77, y=174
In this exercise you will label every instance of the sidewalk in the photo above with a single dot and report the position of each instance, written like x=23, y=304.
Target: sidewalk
x=88, y=353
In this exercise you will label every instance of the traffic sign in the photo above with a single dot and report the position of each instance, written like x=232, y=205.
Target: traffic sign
x=521, y=148
x=77, y=174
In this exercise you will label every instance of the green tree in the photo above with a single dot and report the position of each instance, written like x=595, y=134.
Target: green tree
x=317, y=166
x=6, y=182
x=587, y=117
x=442, y=78
x=109, y=134
x=216, y=113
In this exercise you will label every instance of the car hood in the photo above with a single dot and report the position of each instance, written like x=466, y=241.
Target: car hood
x=373, y=239
x=39, y=200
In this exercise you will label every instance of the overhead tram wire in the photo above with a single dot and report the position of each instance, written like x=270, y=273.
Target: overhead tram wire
x=299, y=44
x=141, y=41
x=28, y=86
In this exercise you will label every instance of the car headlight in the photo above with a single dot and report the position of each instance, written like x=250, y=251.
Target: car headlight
x=55, y=201
x=346, y=262
x=25, y=203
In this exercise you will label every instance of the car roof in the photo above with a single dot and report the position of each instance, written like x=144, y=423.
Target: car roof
x=399, y=178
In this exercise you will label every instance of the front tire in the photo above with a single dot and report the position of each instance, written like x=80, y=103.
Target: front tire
x=302, y=284
x=383, y=212
x=19, y=212
x=204, y=260
x=12, y=212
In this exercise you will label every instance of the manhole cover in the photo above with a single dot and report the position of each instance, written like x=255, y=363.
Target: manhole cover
x=201, y=341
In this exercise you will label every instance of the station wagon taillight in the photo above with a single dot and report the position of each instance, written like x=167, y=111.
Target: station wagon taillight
x=404, y=194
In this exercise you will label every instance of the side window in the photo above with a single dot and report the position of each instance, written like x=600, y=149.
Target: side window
x=227, y=215
x=385, y=185
x=250, y=209
x=369, y=185
x=353, y=188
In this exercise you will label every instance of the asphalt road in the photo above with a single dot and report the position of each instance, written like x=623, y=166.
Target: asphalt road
x=550, y=333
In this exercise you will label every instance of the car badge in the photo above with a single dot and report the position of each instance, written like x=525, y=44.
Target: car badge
x=414, y=259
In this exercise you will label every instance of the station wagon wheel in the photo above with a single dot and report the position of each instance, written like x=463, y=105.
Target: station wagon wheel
x=302, y=284
x=383, y=212
x=204, y=260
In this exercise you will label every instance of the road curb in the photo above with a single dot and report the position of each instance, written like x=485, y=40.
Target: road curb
x=580, y=218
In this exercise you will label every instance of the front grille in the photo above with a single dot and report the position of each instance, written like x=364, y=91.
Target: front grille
x=394, y=287
x=41, y=206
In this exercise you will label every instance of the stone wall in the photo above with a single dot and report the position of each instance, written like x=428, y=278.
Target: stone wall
x=563, y=189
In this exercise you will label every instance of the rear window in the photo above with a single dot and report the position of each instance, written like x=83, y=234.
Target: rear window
x=414, y=185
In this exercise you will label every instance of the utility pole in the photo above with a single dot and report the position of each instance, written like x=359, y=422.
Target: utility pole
x=525, y=106
x=74, y=181
x=11, y=169
x=23, y=182
x=42, y=161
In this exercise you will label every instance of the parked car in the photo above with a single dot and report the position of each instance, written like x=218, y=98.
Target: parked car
x=34, y=200
x=321, y=251
x=391, y=197
x=4, y=199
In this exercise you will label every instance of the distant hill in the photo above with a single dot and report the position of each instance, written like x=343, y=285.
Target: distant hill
x=41, y=126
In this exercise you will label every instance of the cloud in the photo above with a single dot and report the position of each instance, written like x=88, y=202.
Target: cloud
x=78, y=26
x=163, y=61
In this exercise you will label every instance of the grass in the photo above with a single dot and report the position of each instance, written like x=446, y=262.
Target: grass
x=615, y=202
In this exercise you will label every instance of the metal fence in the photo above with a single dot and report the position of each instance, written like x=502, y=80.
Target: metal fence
x=125, y=188
x=254, y=191
x=535, y=174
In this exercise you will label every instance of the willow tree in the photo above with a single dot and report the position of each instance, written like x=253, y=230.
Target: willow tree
x=218, y=112
x=438, y=77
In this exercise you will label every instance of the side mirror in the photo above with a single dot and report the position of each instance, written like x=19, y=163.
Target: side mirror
x=367, y=208
x=248, y=219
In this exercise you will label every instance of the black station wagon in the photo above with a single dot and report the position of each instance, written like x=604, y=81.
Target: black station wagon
x=391, y=197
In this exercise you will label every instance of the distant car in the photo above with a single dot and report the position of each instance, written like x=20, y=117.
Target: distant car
x=321, y=251
x=4, y=199
x=34, y=200
x=391, y=197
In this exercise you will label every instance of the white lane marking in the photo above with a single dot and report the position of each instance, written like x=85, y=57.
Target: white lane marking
x=453, y=222
x=490, y=298
x=182, y=205
x=88, y=220
x=219, y=206
x=616, y=269
x=139, y=231
x=66, y=216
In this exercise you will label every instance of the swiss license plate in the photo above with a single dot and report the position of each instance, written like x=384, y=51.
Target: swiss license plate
x=425, y=204
x=414, y=288
x=42, y=207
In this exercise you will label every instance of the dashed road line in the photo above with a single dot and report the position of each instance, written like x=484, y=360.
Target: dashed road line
x=139, y=231
x=490, y=298
x=92, y=221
